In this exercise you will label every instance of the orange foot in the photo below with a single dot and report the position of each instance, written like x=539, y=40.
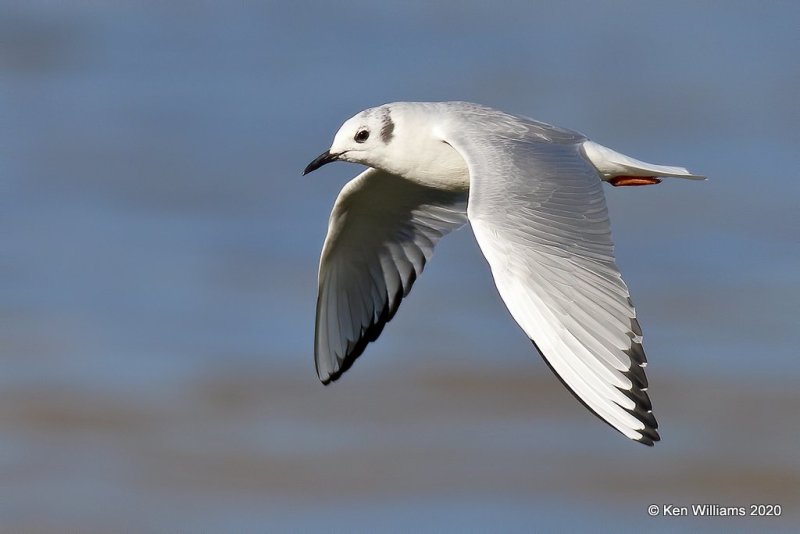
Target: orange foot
x=618, y=181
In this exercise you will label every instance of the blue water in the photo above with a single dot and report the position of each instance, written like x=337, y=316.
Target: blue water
x=158, y=256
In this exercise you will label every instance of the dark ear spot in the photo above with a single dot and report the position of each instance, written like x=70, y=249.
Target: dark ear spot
x=387, y=126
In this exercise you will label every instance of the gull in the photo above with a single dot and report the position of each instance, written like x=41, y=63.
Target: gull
x=533, y=195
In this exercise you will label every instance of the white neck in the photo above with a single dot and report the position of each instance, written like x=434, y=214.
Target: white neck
x=424, y=158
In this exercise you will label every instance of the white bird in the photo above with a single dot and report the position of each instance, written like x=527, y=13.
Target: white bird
x=533, y=195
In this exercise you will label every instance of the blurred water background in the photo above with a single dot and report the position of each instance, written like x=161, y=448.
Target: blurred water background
x=158, y=256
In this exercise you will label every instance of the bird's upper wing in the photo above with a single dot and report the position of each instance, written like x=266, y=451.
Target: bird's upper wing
x=382, y=230
x=537, y=208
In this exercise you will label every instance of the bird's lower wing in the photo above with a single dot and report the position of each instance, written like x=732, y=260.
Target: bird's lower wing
x=382, y=231
x=539, y=215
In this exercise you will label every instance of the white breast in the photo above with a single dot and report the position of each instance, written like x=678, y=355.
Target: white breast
x=437, y=164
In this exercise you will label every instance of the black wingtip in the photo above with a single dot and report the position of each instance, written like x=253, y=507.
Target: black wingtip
x=354, y=350
x=372, y=332
x=647, y=441
x=649, y=434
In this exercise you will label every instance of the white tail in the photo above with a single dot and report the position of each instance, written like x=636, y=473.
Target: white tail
x=612, y=164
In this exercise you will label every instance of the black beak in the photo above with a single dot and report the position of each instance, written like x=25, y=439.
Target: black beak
x=325, y=157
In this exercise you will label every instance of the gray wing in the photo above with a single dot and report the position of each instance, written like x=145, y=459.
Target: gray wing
x=382, y=230
x=537, y=208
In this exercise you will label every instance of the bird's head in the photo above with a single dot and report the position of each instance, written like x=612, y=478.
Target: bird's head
x=364, y=138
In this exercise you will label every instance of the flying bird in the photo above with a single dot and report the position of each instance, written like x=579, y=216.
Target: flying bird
x=533, y=195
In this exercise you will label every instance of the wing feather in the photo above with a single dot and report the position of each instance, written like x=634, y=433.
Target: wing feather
x=538, y=211
x=382, y=232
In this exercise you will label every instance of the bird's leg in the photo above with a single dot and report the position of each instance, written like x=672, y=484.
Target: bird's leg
x=618, y=181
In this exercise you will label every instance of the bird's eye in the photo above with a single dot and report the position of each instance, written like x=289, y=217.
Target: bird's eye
x=361, y=136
